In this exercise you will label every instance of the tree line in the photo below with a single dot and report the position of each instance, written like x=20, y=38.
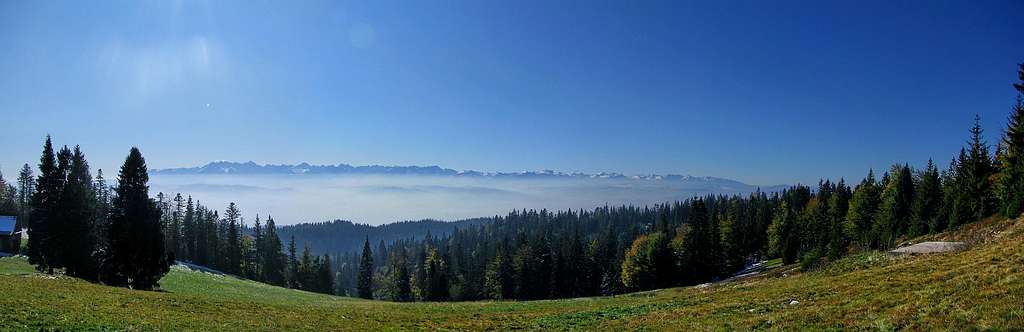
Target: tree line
x=118, y=235
x=200, y=235
x=531, y=254
x=78, y=224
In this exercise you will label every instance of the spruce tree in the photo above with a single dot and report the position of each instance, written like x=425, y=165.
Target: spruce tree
x=293, y=265
x=437, y=277
x=48, y=188
x=365, y=282
x=862, y=210
x=176, y=244
x=273, y=258
x=959, y=209
x=102, y=194
x=838, y=207
x=927, y=201
x=258, y=247
x=325, y=281
x=782, y=237
x=402, y=286
x=26, y=187
x=894, y=210
x=307, y=271
x=77, y=214
x=232, y=239
x=189, y=231
x=701, y=258
x=136, y=256
x=977, y=174
x=1011, y=160
x=498, y=277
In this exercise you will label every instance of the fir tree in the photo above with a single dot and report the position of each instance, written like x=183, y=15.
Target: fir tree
x=258, y=247
x=365, y=286
x=77, y=216
x=293, y=265
x=48, y=188
x=895, y=208
x=927, y=201
x=782, y=234
x=436, y=270
x=136, y=253
x=232, y=237
x=177, y=220
x=324, y=279
x=1011, y=160
x=862, y=210
x=402, y=286
x=498, y=283
x=959, y=201
x=26, y=187
x=273, y=259
x=838, y=207
x=977, y=175
x=307, y=271
x=189, y=229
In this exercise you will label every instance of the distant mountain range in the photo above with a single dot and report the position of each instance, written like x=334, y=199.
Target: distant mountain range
x=229, y=167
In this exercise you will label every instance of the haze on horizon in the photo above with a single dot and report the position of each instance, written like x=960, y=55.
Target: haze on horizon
x=635, y=88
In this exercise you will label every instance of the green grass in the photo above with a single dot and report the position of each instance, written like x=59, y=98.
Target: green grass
x=976, y=289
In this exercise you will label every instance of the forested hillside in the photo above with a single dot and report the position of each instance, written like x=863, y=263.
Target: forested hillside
x=975, y=289
x=345, y=236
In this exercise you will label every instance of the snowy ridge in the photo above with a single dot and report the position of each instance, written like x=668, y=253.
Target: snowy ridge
x=249, y=167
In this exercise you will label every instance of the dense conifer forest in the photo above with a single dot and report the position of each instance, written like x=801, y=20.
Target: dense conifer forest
x=119, y=235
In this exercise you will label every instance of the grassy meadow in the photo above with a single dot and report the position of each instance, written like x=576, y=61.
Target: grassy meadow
x=976, y=289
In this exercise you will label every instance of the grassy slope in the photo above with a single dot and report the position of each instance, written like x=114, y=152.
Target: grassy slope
x=980, y=288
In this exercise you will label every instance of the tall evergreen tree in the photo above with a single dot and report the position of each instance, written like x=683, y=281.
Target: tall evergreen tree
x=189, y=231
x=498, y=283
x=700, y=260
x=256, y=260
x=49, y=185
x=400, y=278
x=838, y=208
x=862, y=210
x=102, y=194
x=894, y=210
x=782, y=234
x=136, y=253
x=365, y=285
x=177, y=220
x=324, y=279
x=232, y=239
x=927, y=201
x=1011, y=160
x=307, y=271
x=977, y=173
x=959, y=210
x=77, y=235
x=293, y=264
x=273, y=258
x=26, y=188
x=437, y=277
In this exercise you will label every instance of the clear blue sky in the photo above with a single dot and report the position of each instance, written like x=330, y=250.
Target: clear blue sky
x=760, y=91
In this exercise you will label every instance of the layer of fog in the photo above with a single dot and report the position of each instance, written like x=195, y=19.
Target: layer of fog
x=383, y=199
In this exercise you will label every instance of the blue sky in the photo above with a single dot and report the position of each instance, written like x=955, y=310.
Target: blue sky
x=760, y=91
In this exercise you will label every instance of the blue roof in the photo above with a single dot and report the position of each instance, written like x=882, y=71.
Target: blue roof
x=6, y=225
